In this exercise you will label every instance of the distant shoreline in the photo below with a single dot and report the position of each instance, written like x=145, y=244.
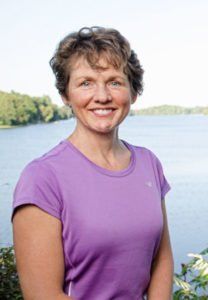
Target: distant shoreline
x=20, y=110
x=131, y=114
x=7, y=126
x=24, y=125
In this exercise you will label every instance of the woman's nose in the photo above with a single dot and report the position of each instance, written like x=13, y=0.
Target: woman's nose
x=102, y=93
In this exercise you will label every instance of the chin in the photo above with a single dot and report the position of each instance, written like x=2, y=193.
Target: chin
x=103, y=130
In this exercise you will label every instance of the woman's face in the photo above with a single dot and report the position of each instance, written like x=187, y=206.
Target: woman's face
x=100, y=99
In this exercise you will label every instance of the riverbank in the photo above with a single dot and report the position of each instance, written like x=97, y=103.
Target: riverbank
x=6, y=126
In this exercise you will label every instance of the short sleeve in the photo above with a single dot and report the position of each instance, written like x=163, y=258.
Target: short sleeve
x=37, y=185
x=163, y=184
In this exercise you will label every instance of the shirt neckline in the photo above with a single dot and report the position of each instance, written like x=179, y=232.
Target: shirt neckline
x=102, y=170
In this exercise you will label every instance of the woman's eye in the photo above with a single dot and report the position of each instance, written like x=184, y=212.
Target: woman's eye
x=115, y=83
x=85, y=83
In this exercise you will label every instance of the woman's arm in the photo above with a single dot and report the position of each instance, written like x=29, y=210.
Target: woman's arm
x=39, y=254
x=161, y=283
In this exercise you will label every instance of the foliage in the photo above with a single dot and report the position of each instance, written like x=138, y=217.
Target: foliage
x=193, y=279
x=19, y=109
x=171, y=110
x=9, y=284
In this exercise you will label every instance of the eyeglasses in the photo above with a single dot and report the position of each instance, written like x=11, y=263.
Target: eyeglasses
x=87, y=32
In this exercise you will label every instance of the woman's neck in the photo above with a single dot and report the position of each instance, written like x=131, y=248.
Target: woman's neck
x=102, y=148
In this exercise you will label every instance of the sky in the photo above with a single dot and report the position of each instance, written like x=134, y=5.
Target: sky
x=169, y=37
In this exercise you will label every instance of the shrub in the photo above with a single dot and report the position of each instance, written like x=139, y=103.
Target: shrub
x=193, y=279
x=9, y=283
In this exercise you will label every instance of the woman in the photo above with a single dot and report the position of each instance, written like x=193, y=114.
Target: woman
x=89, y=216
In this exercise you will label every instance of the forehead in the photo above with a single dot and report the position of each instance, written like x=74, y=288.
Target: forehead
x=80, y=66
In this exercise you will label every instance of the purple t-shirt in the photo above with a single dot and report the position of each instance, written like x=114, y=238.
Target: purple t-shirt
x=112, y=220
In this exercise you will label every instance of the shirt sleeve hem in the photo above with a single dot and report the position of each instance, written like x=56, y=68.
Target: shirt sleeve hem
x=42, y=206
x=165, y=190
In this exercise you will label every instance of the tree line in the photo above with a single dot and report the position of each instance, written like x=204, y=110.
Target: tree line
x=171, y=110
x=20, y=109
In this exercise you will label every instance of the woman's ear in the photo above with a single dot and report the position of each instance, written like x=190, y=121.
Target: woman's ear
x=65, y=100
x=133, y=99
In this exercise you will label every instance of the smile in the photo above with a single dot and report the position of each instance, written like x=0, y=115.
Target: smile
x=102, y=112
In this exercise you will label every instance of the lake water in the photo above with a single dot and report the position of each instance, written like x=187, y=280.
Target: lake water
x=180, y=142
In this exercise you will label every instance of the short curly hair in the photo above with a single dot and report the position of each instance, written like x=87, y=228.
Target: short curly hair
x=92, y=43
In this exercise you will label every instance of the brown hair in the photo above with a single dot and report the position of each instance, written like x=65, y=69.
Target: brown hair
x=91, y=43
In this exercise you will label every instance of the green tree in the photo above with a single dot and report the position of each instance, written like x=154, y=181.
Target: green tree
x=21, y=109
x=7, y=110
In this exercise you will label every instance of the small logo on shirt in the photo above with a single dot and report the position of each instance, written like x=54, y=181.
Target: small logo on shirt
x=148, y=183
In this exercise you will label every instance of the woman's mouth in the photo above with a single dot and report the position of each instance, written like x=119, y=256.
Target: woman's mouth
x=103, y=112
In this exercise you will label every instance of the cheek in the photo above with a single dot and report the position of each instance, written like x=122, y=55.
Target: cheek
x=124, y=99
x=79, y=99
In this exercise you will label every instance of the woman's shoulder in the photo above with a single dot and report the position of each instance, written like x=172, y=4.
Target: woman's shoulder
x=147, y=155
x=46, y=160
x=53, y=152
x=37, y=184
x=143, y=150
